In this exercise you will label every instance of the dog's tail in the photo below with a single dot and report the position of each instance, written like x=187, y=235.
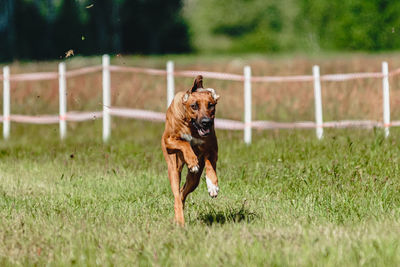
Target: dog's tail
x=198, y=83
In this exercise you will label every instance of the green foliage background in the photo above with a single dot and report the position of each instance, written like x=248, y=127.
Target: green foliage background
x=290, y=25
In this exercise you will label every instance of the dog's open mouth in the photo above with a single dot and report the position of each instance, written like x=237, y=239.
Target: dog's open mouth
x=200, y=130
x=203, y=132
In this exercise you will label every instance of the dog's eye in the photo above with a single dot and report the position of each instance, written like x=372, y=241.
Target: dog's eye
x=211, y=105
x=194, y=106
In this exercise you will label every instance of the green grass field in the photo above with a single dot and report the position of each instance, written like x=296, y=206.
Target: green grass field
x=288, y=199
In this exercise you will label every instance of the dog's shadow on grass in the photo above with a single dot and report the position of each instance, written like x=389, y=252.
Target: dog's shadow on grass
x=229, y=214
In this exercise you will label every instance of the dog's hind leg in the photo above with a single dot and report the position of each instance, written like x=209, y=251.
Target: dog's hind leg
x=192, y=181
x=175, y=165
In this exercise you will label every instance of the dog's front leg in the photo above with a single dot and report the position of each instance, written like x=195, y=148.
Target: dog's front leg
x=187, y=151
x=211, y=175
x=192, y=181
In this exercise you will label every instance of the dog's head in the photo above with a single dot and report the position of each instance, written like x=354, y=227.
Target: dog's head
x=200, y=105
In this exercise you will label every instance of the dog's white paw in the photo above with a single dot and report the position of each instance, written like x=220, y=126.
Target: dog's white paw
x=212, y=188
x=194, y=169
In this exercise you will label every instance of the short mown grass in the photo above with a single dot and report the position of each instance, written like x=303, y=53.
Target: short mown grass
x=288, y=199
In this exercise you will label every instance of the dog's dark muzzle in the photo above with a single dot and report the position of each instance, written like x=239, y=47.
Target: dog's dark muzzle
x=203, y=126
x=206, y=123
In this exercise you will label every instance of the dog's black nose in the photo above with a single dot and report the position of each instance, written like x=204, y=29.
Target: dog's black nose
x=206, y=122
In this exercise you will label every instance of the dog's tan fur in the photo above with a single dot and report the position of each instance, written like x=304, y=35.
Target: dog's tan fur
x=182, y=143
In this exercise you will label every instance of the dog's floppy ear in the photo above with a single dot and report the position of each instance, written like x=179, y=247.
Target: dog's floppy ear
x=213, y=93
x=198, y=83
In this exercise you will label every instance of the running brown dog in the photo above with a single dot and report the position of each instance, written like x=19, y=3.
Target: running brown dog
x=189, y=138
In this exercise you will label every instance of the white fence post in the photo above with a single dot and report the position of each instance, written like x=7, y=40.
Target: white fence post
x=170, y=82
x=6, y=102
x=318, y=103
x=63, y=100
x=106, y=98
x=247, y=104
x=386, y=99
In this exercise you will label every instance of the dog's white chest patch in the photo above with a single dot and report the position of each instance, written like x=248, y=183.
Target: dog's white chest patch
x=212, y=188
x=187, y=137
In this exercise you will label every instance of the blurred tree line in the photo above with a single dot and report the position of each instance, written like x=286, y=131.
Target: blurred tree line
x=291, y=25
x=46, y=29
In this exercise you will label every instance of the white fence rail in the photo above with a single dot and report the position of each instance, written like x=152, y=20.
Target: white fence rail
x=247, y=125
x=106, y=98
x=6, y=102
x=62, y=86
x=386, y=101
x=318, y=102
x=247, y=105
